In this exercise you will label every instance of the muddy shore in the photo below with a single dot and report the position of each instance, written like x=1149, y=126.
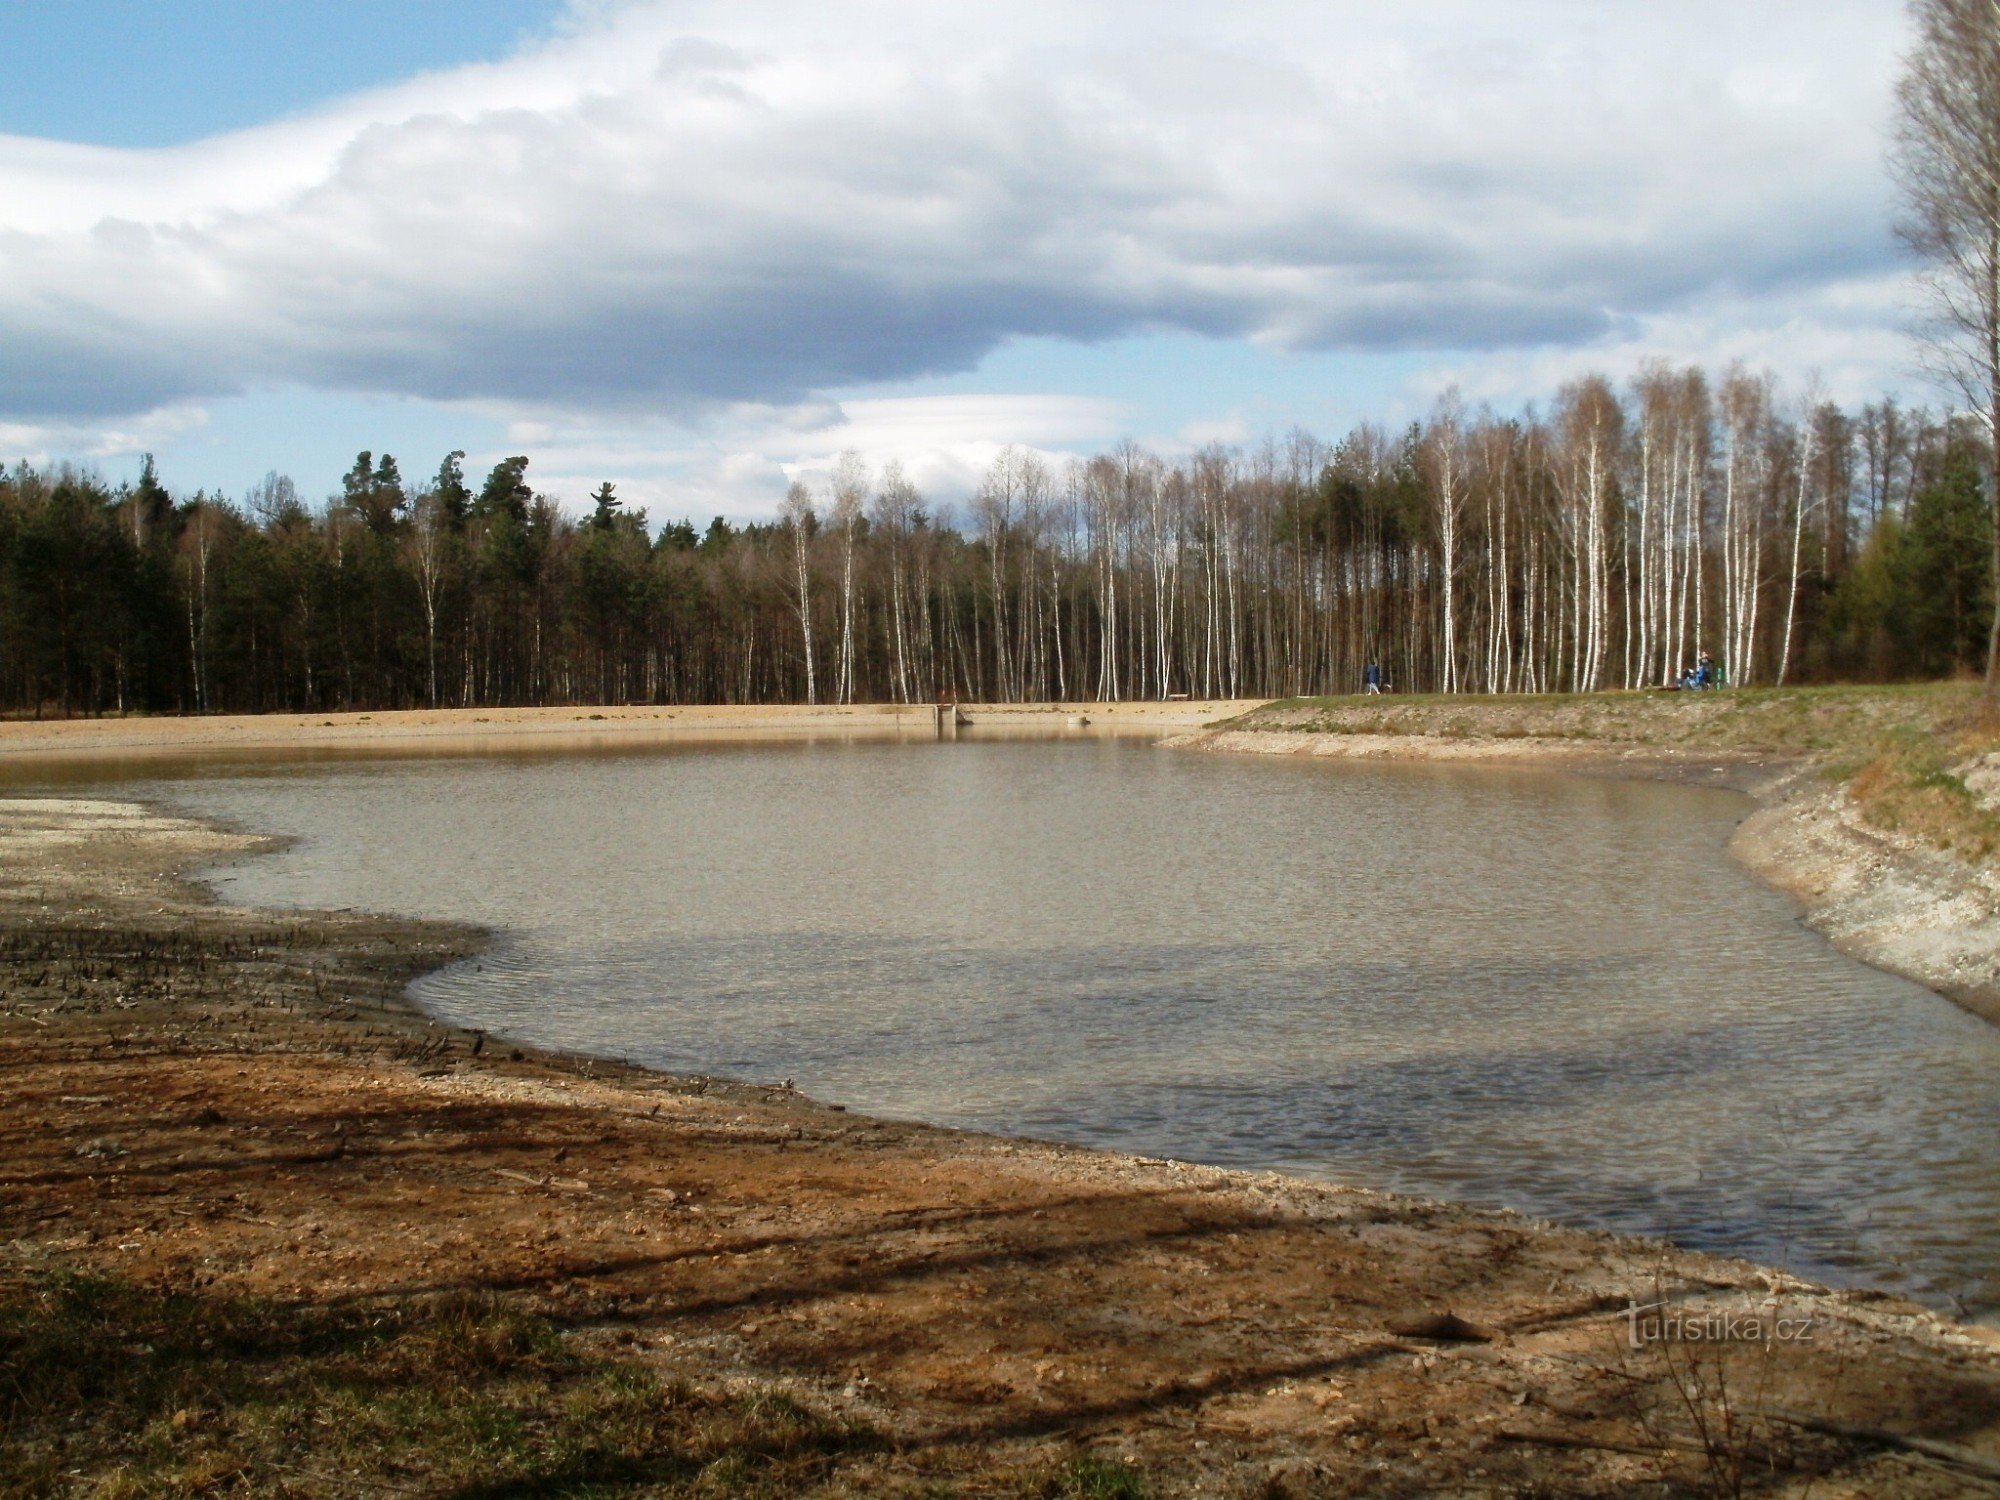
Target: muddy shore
x=233, y=1103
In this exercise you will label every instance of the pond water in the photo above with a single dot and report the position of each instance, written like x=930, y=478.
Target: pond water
x=1511, y=987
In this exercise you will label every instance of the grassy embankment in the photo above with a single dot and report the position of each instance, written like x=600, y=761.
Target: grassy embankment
x=1919, y=760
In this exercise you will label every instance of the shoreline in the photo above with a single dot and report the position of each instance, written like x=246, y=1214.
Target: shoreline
x=240, y=1103
x=1882, y=899
x=29, y=743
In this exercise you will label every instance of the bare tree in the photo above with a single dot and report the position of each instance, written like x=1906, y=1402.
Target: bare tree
x=850, y=489
x=798, y=516
x=896, y=507
x=1445, y=460
x=993, y=512
x=1804, y=463
x=1947, y=157
x=427, y=544
x=1588, y=423
x=1746, y=423
x=197, y=543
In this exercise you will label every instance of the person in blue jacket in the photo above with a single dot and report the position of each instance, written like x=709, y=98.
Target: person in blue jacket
x=1371, y=677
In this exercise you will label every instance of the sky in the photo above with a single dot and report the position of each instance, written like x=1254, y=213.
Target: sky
x=700, y=248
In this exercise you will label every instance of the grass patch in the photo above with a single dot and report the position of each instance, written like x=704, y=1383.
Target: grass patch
x=1089, y=1477
x=1775, y=720
x=1912, y=787
x=114, y=1390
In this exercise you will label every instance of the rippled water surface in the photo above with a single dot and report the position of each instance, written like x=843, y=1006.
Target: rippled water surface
x=1513, y=987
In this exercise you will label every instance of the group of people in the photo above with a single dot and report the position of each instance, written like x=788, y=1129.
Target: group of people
x=1703, y=675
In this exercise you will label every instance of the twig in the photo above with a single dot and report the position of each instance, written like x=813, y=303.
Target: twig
x=1564, y=1440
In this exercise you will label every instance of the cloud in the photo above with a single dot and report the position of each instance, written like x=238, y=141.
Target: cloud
x=44, y=443
x=1840, y=338
x=688, y=206
x=737, y=461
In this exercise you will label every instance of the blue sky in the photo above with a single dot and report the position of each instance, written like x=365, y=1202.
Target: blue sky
x=143, y=73
x=700, y=248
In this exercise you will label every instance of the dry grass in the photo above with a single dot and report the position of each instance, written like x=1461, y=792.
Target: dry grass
x=116, y=1390
x=1917, y=786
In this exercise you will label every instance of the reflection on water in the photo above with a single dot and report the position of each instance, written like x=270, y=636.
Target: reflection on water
x=1511, y=987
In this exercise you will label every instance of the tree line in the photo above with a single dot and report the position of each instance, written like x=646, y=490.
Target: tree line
x=1605, y=543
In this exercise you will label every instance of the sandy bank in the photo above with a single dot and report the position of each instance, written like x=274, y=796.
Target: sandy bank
x=500, y=730
x=1744, y=770
x=236, y=1103
x=1887, y=898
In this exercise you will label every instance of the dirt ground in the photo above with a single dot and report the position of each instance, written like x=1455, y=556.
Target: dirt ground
x=237, y=1103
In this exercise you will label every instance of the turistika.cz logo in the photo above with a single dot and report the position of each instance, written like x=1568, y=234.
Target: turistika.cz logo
x=1657, y=1322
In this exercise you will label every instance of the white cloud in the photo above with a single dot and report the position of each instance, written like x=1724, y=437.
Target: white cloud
x=738, y=461
x=1842, y=338
x=689, y=206
x=1229, y=430
x=43, y=443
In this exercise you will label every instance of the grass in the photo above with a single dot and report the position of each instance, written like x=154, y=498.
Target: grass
x=1914, y=786
x=114, y=1390
x=1088, y=1477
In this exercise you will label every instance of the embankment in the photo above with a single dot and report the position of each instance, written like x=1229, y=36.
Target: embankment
x=468, y=731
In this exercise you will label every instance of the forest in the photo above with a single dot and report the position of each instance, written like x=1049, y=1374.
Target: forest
x=1604, y=543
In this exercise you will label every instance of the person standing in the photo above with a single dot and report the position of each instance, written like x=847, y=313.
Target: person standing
x=1371, y=676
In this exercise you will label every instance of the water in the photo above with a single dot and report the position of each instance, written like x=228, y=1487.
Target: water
x=1510, y=987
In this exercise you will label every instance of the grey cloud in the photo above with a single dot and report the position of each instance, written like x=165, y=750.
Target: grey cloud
x=757, y=214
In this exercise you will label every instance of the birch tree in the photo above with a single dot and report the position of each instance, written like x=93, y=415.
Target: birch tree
x=1445, y=459
x=895, y=511
x=799, y=518
x=850, y=488
x=1800, y=500
x=429, y=539
x=1588, y=421
x=1745, y=414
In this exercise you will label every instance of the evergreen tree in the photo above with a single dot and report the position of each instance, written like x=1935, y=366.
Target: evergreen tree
x=387, y=499
x=1951, y=584
x=506, y=491
x=605, y=503
x=453, y=496
x=359, y=479
x=152, y=506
